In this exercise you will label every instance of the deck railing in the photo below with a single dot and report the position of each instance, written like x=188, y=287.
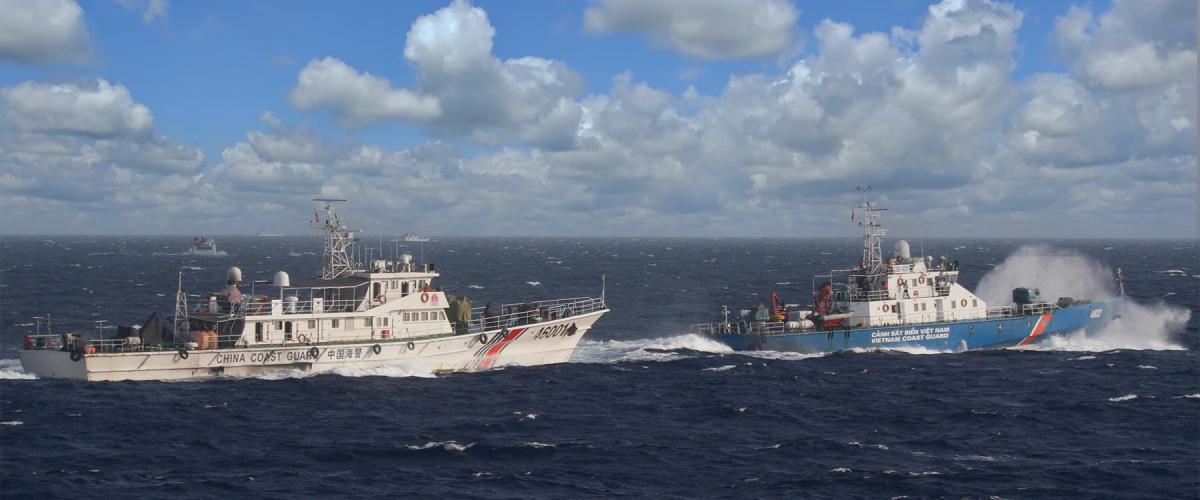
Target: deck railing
x=510, y=315
x=516, y=315
x=776, y=327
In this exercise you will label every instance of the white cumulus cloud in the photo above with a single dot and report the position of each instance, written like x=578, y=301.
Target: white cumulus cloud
x=43, y=31
x=709, y=29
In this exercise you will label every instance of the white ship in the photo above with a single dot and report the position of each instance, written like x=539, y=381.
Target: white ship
x=203, y=245
x=415, y=237
x=388, y=314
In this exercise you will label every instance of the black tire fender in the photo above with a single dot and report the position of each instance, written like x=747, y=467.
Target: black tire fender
x=314, y=353
x=76, y=355
x=411, y=345
x=183, y=354
x=376, y=349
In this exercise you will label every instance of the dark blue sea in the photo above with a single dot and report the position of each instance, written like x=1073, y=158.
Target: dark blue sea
x=643, y=410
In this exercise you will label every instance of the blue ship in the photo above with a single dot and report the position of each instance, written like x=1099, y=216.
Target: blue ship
x=904, y=301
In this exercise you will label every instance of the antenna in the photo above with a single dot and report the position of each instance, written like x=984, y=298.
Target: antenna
x=336, y=261
x=180, y=310
x=873, y=231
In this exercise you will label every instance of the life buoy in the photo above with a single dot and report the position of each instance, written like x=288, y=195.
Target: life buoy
x=435, y=299
x=302, y=338
x=183, y=354
x=376, y=349
x=483, y=338
x=76, y=356
x=382, y=298
x=425, y=297
x=884, y=308
x=411, y=345
x=963, y=302
x=314, y=353
x=921, y=279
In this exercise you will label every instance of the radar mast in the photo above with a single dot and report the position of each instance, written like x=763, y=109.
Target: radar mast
x=335, y=260
x=873, y=231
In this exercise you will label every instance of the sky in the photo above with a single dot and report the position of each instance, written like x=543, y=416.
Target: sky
x=711, y=118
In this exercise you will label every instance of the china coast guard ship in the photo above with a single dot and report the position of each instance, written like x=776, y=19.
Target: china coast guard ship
x=904, y=301
x=386, y=314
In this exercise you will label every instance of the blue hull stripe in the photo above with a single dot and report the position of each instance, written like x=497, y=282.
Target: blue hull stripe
x=979, y=334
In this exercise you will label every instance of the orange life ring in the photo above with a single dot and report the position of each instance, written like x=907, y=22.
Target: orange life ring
x=435, y=299
x=382, y=298
x=425, y=297
x=302, y=338
x=963, y=302
x=884, y=308
x=921, y=279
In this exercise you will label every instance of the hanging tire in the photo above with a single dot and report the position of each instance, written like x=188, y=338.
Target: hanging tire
x=183, y=354
x=376, y=349
x=76, y=355
x=314, y=353
x=483, y=338
x=411, y=345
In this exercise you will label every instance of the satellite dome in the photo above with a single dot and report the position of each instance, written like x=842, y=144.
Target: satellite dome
x=233, y=275
x=281, y=279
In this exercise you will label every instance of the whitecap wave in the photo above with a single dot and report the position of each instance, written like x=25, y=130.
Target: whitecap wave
x=12, y=422
x=1064, y=273
x=720, y=368
x=655, y=349
x=446, y=445
x=1126, y=397
x=10, y=369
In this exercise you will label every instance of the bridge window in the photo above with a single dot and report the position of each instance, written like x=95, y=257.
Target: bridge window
x=334, y=323
x=405, y=318
x=922, y=306
x=367, y=322
x=287, y=330
x=424, y=316
x=974, y=302
x=258, y=331
x=312, y=324
x=278, y=325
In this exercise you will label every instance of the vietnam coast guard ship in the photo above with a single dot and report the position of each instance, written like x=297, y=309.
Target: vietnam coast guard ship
x=385, y=314
x=903, y=301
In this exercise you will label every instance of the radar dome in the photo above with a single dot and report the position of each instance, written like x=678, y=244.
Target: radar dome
x=281, y=279
x=902, y=250
x=233, y=275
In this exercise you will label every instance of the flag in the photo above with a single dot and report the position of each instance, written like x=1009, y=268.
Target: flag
x=316, y=217
x=852, y=214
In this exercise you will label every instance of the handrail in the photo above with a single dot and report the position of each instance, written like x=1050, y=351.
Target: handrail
x=531, y=312
x=776, y=327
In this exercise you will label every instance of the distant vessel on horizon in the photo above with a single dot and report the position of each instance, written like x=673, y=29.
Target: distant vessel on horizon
x=203, y=245
x=415, y=237
x=268, y=234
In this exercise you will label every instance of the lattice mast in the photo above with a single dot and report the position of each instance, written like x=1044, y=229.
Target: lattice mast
x=179, y=324
x=873, y=232
x=335, y=260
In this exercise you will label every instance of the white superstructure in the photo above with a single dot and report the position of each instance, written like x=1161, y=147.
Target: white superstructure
x=385, y=313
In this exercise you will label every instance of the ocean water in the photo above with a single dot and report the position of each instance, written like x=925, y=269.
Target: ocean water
x=643, y=409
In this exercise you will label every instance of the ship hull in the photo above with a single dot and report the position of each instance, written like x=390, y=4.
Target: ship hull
x=534, y=344
x=959, y=335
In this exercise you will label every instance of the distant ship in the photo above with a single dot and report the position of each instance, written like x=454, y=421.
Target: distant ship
x=268, y=234
x=203, y=245
x=384, y=313
x=904, y=301
x=415, y=237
